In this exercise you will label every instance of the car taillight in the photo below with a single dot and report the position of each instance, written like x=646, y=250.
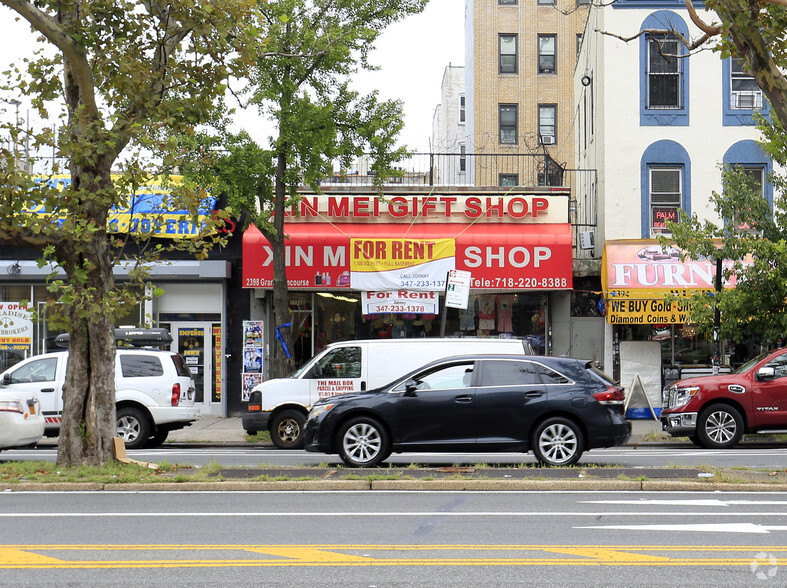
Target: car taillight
x=175, y=394
x=611, y=396
x=11, y=406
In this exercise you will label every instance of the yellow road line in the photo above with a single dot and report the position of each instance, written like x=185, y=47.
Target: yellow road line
x=51, y=556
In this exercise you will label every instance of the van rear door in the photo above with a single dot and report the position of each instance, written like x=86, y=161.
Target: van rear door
x=339, y=371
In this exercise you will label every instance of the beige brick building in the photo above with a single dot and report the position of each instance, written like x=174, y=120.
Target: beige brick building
x=520, y=57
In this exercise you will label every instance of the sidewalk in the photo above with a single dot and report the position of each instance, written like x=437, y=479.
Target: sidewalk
x=214, y=429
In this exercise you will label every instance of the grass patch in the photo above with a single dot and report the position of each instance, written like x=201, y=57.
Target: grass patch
x=113, y=472
x=260, y=437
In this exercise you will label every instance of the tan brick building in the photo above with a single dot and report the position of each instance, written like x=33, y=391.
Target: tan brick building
x=521, y=56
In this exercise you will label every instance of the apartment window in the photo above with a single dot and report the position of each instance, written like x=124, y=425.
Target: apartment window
x=508, y=180
x=745, y=93
x=581, y=2
x=507, y=2
x=547, y=61
x=508, y=123
x=462, y=158
x=507, y=56
x=579, y=43
x=757, y=179
x=461, y=109
x=546, y=2
x=663, y=73
x=547, y=123
x=665, y=197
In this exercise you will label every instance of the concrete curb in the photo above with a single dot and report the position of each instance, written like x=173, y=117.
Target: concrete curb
x=403, y=485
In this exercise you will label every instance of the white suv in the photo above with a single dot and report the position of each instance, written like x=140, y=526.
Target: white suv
x=154, y=392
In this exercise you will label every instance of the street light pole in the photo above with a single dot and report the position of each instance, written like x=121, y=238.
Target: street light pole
x=15, y=132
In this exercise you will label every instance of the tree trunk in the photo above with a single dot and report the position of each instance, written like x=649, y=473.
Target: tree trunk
x=89, y=421
x=281, y=309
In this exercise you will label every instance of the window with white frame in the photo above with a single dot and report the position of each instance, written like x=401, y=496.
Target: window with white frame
x=547, y=58
x=745, y=93
x=547, y=123
x=665, y=197
x=664, y=71
x=462, y=158
x=508, y=114
x=462, y=103
x=507, y=55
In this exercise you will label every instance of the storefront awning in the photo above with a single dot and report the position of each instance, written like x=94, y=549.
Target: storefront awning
x=637, y=274
x=331, y=256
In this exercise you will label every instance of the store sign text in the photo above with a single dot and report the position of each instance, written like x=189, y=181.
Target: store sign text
x=647, y=312
x=400, y=302
x=438, y=208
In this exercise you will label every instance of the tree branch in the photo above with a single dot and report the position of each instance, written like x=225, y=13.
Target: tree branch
x=711, y=30
x=49, y=27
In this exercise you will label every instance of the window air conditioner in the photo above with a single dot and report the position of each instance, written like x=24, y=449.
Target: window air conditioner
x=747, y=100
x=547, y=139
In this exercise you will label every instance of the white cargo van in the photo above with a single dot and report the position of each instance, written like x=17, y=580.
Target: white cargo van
x=281, y=405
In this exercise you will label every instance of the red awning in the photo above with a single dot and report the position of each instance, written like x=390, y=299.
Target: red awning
x=499, y=256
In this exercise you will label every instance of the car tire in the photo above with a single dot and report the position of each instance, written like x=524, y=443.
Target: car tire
x=157, y=439
x=287, y=429
x=363, y=442
x=719, y=426
x=558, y=441
x=133, y=427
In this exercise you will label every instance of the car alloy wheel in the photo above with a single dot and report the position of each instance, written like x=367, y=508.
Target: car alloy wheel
x=558, y=442
x=720, y=426
x=363, y=442
x=133, y=427
x=287, y=429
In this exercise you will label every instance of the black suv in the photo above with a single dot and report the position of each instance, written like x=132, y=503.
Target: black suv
x=557, y=407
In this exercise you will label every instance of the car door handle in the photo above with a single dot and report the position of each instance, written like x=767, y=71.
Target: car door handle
x=464, y=398
x=534, y=394
x=47, y=389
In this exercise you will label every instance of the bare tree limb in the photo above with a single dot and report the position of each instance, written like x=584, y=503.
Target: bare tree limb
x=50, y=28
x=711, y=30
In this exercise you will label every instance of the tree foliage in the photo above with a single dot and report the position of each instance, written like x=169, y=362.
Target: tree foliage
x=302, y=84
x=115, y=83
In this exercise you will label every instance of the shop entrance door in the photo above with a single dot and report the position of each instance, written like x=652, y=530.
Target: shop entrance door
x=194, y=341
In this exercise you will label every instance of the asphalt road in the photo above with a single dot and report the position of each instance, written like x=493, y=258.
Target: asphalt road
x=393, y=538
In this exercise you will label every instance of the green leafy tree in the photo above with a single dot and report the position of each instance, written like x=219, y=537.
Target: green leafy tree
x=122, y=80
x=302, y=84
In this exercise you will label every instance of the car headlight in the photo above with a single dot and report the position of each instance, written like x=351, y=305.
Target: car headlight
x=319, y=409
x=681, y=396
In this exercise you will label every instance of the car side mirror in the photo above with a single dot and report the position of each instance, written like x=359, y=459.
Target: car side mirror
x=766, y=373
x=410, y=386
x=316, y=371
x=6, y=379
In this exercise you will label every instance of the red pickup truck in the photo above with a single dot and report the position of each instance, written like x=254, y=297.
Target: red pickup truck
x=715, y=411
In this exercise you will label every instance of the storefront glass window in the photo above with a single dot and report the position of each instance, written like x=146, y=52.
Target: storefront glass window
x=339, y=317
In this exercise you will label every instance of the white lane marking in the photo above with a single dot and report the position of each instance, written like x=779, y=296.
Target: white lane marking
x=678, y=502
x=708, y=528
x=394, y=514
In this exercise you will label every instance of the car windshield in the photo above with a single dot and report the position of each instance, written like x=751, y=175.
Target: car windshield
x=749, y=364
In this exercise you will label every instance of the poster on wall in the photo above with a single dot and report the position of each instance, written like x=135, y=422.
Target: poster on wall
x=252, y=357
x=16, y=327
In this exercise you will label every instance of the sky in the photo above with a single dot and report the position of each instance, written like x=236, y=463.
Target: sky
x=411, y=54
